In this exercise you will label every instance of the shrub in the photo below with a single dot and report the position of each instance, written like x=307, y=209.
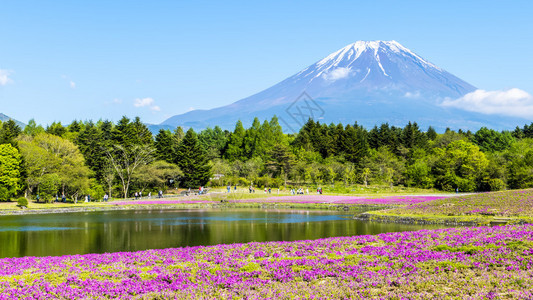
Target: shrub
x=22, y=202
x=4, y=194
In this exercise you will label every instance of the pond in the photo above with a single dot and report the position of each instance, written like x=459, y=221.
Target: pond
x=133, y=230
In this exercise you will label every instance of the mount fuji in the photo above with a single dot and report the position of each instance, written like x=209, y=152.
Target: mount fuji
x=365, y=82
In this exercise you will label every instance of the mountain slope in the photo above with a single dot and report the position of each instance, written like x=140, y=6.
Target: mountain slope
x=368, y=82
x=4, y=118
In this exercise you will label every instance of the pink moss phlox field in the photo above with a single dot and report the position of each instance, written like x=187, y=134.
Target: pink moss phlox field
x=303, y=199
x=453, y=263
x=156, y=202
x=501, y=204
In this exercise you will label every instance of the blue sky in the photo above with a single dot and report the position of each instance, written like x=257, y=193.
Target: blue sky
x=65, y=60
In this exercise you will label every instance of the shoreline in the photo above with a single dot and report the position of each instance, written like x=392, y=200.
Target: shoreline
x=441, y=220
x=207, y=205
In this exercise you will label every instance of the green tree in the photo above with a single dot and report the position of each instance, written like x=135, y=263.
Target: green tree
x=353, y=144
x=157, y=175
x=234, y=147
x=490, y=140
x=193, y=162
x=56, y=129
x=10, y=165
x=163, y=145
x=461, y=165
x=419, y=175
x=32, y=128
x=127, y=161
x=9, y=131
x=49, y=154
x=280, y=161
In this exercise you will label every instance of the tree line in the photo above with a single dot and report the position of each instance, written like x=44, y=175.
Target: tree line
x=88, y=158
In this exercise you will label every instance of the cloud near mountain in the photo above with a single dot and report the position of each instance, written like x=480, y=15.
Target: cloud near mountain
x=513, y=102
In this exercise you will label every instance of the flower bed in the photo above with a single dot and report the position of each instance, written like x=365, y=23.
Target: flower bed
x=517, y=203
x=392, y=200
x=462, y=263
x=148, y=202
x=302, y=199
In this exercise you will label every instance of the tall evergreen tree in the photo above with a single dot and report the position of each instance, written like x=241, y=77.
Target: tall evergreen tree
x=163, y=145
x=234, y=146
x=56, y=128
x=9, y=131
x=354, y=144
x=193, y=162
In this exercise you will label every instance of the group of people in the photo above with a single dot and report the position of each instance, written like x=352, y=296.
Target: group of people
x=299, y=191
x=229, y=188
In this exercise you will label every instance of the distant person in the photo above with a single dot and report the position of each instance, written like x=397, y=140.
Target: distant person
x=149, y=195
x=37, y=198
x=235, y=188
x=63, y=198
x=270, y=190
x=229, y=189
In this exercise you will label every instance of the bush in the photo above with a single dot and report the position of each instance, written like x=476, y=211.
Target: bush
x=4, y=194
x=22, y=202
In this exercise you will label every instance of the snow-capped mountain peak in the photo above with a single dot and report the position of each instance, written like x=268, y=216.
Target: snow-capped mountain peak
x=370, y=82
x=377, y=51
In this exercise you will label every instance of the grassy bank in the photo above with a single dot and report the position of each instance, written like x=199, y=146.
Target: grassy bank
x=485, y=208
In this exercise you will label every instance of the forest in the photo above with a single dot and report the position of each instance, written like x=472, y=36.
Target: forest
x=95, y=158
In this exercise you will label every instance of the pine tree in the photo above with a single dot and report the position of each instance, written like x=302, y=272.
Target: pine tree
x=233, y=149
x=193, y=162
x=163, y=145
x=9, y=131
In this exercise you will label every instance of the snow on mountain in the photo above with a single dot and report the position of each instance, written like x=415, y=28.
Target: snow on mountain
x=370, y=82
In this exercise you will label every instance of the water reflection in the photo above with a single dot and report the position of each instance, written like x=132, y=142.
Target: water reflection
x=98, y=232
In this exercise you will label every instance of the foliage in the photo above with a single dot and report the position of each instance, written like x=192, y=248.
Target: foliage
x=485, y=160
x=192, y=160
x=127, y=161
x=45, y=154
x=22, y=202
x=10, y=175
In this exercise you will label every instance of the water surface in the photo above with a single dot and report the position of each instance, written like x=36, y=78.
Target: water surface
x=133, y=230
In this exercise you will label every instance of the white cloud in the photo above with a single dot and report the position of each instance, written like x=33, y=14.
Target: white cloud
x=143, y=102
x=412, y=95
x=146, y=102
x=4, y=77
x=337, y=74
x=117, y=101
x=72, y=84
x=514, y=102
